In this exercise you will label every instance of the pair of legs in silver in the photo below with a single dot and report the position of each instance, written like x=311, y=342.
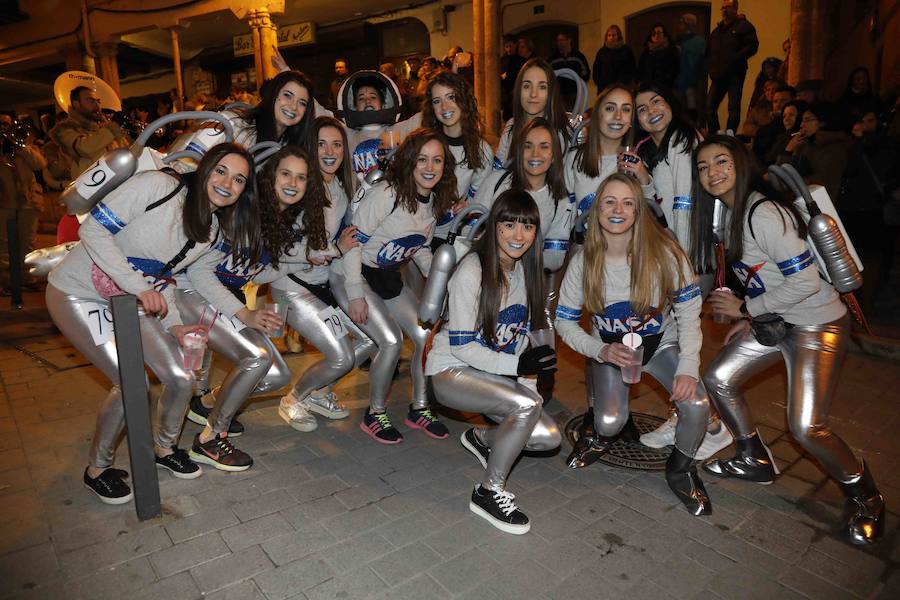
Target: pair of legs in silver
x=813, y=355
x=608, y=414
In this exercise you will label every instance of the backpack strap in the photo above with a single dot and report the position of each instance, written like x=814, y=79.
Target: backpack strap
x=173, y=193
x=753, y=207
x=500, y=181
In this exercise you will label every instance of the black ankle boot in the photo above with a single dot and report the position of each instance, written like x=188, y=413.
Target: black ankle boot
x=753, y=462
x=588, y=449
x=865, y=518
x=630, y=433
x=682, y=477
x=587, y=424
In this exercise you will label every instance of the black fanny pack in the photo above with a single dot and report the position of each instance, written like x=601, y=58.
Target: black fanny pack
x=769, y=328
x=322, y=291
x=387, y=284
x=649, y=342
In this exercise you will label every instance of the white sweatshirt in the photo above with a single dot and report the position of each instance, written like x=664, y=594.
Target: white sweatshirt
x=503, y=146
x=131, y=244
x=459, y=343
x=788, y=282
x=673, y=185
x=684, y=311
x=389, y=236
x=557, y=217
x=584, y=188
x=365, y=143
x=468, y=180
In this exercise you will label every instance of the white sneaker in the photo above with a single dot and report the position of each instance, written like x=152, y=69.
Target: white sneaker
x=327, y=406
x=296, y=415
x=662, y=436
x=714, y=442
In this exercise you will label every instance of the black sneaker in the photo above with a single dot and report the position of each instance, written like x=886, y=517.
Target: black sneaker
x=219, y=453
x=470, y=442
x=109, y=486
x=379, y=426
x=199, y=413
x=180, y=464
x=500, y=510
x=424, y=419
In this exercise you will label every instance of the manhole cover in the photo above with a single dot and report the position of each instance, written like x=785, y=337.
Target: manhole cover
x=629, y=455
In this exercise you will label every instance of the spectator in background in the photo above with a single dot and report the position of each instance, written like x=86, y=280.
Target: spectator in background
x=566, y=57
x=761, y=113
x=783, y=69
x=614, y=62
x=820, y=153
x=411, y=83
x=510, y=64
x=86, y=134
x=728, y=48
x=766, y=135
x=782, y=150
x=660, y=60
x=525, y=48
x=857, y=99
x=767, y=72
x=341, y=71
x=810, y=90
x=691, y=71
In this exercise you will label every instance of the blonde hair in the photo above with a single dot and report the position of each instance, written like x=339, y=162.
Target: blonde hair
x=652, y=254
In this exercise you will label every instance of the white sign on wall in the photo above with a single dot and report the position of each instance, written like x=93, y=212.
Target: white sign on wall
x=297, y=34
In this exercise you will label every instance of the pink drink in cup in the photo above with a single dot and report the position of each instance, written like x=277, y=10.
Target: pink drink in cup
x=192, y=350
x=631, y=373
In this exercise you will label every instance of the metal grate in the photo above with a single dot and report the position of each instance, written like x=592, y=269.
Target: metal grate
x=629, y=455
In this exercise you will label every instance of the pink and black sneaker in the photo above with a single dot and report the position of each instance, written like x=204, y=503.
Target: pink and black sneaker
x=424, y=419
x=378, y=425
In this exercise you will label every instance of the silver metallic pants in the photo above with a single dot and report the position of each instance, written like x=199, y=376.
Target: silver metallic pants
x=387, y=321
x=813, y=355
x=610, y=399
x=162, y=355
x=340, y=355
x=258, y=366
x=517, y=409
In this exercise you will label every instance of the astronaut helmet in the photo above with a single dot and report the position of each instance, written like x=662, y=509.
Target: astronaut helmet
x=378, y=97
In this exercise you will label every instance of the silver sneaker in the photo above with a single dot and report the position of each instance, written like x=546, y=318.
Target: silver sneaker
x=296, y=415
x=327, y=406
x=662, y=436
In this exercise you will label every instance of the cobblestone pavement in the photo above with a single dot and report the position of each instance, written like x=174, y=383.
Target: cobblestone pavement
x=331, y=514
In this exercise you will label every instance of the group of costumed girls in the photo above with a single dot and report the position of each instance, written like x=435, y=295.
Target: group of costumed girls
x=186, y=244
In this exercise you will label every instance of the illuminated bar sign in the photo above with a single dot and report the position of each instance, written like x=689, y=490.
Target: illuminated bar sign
x=297, y=34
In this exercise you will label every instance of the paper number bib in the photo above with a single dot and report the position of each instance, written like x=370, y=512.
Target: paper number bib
x=332, y=320
x=100, y=322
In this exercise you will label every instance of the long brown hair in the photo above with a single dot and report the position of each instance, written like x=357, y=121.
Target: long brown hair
x=278, y=226
x=554, y=111
x=556, y=179
x=345, y=174
x=399, y=174
x=589, y=154
x=239, y=223
x=470, y=117
x=518, y=206
x=652, y=254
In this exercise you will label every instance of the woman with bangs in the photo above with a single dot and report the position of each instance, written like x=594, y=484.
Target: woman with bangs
x=395, y=223
x=612, y=118
x=479, y=362
x=451, y=108
x=317, y=226
x=151, y=227
x=537, y=91
x=634, y=279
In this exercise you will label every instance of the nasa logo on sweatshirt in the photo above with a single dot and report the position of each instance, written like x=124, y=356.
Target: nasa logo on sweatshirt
x=512, y=321
x=755, y=287
x=365, y=156
x=397, y=252
x=619, y=318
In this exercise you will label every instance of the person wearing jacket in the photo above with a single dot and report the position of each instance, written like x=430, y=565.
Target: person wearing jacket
x=788, y=311
x=86, y=135
x=481, y=360
x=728, y=48
x=614, y=62
x=660, y=60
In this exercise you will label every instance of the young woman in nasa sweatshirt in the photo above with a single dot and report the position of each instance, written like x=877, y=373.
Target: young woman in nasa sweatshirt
x=395, y=222
x=481, y=360
x=794, y=314
x=134, y=241
x=634, y=279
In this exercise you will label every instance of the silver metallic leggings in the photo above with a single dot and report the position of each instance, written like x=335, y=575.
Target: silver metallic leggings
x=340, y=355
x=610, y=397
x=813, y=355
x=517, y=409
x=387, y=321
x=258, y=366
x=161, y=353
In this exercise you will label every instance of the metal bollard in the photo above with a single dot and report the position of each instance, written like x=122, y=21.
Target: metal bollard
x=133, y=382
x=15, y=260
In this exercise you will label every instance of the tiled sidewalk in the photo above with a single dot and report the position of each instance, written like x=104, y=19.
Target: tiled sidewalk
x=332, y=514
